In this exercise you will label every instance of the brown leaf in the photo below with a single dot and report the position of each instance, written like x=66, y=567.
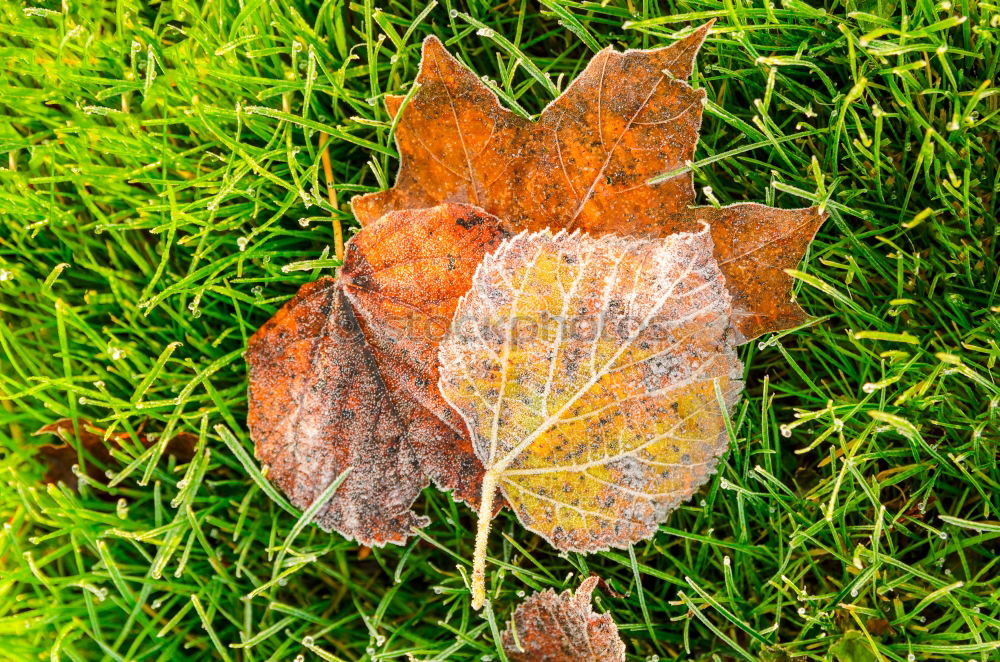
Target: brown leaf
x=879, y=627
x=586, y=370
x=587, y=162
x=345, y=375
x=61, y=458
x=562, y=628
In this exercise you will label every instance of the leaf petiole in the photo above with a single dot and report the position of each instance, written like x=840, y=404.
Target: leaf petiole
x=482, y=536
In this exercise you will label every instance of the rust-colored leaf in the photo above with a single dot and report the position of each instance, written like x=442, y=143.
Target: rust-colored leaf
x=586, y=370
x=563, y=628
x=60, y=458
x=345, y=375
x=594, y=160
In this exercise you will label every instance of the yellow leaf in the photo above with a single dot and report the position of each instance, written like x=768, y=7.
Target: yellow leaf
x=585, y=370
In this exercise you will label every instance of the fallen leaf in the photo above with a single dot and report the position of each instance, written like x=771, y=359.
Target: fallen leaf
x=879, y=627
x=562, y=628
x=345, y=375
x=585, y=369
x=599, y=159
x=60, y=459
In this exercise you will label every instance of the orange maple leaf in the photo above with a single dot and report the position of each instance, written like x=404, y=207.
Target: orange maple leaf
x=594, y=160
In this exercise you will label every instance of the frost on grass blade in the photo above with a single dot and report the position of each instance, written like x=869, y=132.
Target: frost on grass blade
x=611, y=155
x=563, y=628
x=585, y=369
x=345, y=375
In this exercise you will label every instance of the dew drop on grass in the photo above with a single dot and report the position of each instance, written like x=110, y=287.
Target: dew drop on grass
x=242, y=242
x=308, y=641
x=453, y=13
x=121, y=509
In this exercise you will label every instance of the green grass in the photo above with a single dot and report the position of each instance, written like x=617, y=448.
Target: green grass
x=162, y=197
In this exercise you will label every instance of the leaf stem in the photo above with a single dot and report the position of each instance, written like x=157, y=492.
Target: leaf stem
x=482, y=536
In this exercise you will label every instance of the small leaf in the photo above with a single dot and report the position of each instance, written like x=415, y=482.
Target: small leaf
x=345, y=375
x=61, y=458
x=563, y=628
x=585, y=369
